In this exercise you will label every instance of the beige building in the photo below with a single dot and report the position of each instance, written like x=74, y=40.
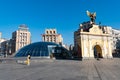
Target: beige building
x=52, y=36
x=93, y=41
x=20, y=38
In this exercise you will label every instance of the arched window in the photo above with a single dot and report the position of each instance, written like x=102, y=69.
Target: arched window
x=47, y=32
x=50, y=32
x=54, y=32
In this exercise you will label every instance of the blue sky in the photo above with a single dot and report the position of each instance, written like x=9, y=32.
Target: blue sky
x=64, y=15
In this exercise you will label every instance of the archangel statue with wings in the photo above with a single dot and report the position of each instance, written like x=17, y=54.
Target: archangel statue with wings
x=92, y=16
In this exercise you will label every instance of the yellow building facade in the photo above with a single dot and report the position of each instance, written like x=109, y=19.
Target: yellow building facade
x=95, y=42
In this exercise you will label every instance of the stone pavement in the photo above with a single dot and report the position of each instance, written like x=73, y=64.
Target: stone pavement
x=105, y=69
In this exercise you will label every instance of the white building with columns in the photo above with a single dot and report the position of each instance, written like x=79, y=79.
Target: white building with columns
x=93, y=41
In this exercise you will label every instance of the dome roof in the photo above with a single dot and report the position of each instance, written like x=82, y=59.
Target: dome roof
x=43, y=49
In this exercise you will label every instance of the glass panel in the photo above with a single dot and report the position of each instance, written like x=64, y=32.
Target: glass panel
x=42, y=49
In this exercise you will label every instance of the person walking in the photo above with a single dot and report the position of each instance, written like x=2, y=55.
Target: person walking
x=28, y=60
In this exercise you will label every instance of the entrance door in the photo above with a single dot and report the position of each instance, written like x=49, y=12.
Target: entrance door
x=97, y=52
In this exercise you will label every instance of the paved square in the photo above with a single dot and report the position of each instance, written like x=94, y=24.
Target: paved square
x=105, y=69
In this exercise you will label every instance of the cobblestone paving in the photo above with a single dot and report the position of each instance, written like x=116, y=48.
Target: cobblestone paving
x=104, y=69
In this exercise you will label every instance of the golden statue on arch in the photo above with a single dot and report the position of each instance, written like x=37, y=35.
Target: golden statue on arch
x=92, y=16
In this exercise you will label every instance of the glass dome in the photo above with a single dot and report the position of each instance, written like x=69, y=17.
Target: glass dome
x=43, y=49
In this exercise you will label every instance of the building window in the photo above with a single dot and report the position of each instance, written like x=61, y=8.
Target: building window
x=54, y=40
x=54, y=32
x=47, y=32
x=47, y=38
x=50, y=32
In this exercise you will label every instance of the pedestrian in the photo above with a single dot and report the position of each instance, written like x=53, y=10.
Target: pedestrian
x=28, y=60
